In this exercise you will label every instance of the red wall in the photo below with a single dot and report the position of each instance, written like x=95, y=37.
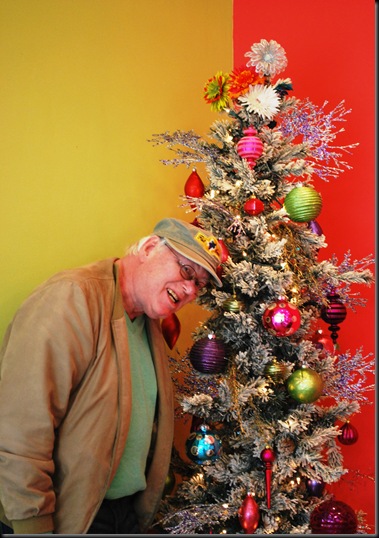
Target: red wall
x=330, y=52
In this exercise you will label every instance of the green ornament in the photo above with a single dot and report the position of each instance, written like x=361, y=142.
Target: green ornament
x=169, y=483
x=231, y=305
x=303, y=204
x=275, y=370
x=304, y=385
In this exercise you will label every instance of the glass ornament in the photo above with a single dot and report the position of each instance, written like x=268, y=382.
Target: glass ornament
x=208, y=355
x=171, y=329
x=275, y=370
x=250, y=147
x=333, y=313
x=248, y=514
x=349, y=434
x=281, y=318
x=203, y=445
x=268, y=458
x=303, y=204
x=253, y=206
x=315, y=487
x=304, y=385
x=333, y=517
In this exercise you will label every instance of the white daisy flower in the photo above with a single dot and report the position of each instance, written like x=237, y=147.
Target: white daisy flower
x=268, y=57
x=262, y=100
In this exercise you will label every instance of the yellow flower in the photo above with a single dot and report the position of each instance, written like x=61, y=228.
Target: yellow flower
x=216, y=91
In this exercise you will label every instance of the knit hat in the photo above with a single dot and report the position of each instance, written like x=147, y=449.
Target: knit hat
x=196, y=244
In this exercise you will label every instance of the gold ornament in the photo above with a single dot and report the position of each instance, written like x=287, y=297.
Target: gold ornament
x=275, y=370
x=232, y=305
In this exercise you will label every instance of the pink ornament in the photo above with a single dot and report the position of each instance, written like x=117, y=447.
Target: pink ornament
x=349, y=434
x=248, y=514
x=333, y=517
x=268, y=457
x=253, y=206
x=334, y=314
x=250, y=147
x=281, y=318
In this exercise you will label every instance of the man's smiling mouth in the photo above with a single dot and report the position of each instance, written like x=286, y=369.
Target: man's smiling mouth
x=173, y=296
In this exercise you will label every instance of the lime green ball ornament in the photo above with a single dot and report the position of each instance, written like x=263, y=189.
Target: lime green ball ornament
x=304, y=385
x=303, y=204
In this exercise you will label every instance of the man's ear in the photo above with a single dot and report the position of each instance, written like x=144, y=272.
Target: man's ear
x=149, y=245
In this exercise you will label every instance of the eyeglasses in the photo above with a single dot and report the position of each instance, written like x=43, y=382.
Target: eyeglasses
x=187, y=271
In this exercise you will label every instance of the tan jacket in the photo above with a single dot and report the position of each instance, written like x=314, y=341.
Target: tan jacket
x=65, y=399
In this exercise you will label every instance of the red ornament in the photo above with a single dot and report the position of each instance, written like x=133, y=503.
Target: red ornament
x=253, y=206
x=194, y=187
x=268, y=457
x=322, y=341
x=281, y=318
x=248, y=514
x=250, y=147
x=208, y=355
x=333, y=517
x=224, y=251
x=349, y=434
x=171, y=329
x=334, y=314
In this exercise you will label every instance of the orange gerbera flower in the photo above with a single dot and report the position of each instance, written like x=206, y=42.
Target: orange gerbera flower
x=241, y=79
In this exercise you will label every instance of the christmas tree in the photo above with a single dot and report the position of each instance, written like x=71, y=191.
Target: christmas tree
x=266, y=387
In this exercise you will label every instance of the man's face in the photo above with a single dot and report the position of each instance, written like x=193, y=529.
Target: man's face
x=161, y=287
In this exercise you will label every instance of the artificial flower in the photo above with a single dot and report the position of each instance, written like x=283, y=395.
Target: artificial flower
x=216, y=91
x=268, y=57
x=262, y=100
x=241, y=79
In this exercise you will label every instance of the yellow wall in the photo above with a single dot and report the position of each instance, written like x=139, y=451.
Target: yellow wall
x=85, y=84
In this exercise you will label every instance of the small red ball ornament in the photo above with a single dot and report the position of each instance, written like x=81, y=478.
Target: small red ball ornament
x=208, y=355
x=253, y=206
x=333, y=517
x=281, y=318
x=249, y=514
x=349, y=434
x=268, y=457
x=250, y=147
x=194, y=187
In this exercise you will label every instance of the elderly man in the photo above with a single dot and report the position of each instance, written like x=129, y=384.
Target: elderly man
x=86, y=403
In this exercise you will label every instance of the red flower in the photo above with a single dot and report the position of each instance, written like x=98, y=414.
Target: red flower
x=241, y=79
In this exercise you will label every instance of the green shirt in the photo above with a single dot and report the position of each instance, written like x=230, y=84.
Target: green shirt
x=130, y=475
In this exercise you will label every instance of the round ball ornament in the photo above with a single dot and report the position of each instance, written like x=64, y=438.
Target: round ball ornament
x=253, y=206
x=169, y=483
x=248, y=514
x=333, y=517
x=275, y=370
x=349, y=434
x=250, y=146
x=208, y=355
x=304, y=385
x=315, y=487
x=203, y=445
x=281, y=318
x=232, y=305
x=303, y=204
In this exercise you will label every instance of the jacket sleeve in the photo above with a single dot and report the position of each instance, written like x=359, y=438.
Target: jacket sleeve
x=45, y=353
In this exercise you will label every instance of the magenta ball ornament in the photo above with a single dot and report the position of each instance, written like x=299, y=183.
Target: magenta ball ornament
x=208, y=355
x=333, y=517
x=303, y=204
x=349, y=434
x=281, y=318
x=250, y=146
x=203, y=445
